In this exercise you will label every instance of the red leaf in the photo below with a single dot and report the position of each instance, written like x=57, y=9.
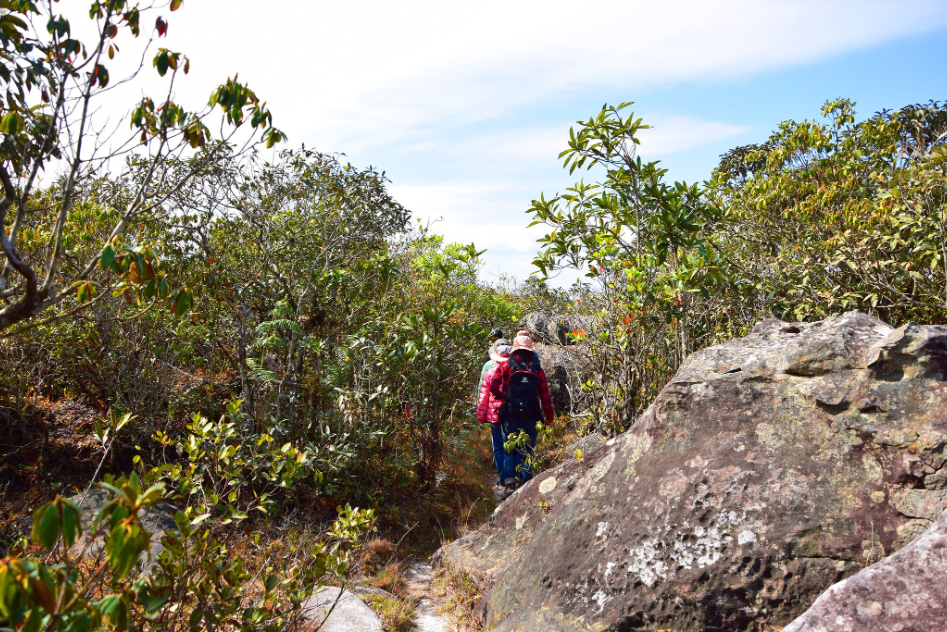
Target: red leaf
x=162, y=26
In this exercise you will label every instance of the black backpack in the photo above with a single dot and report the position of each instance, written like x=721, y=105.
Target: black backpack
x=522, y=402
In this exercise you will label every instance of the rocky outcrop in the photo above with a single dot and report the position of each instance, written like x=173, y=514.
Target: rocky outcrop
x=336, y=610
x=768, y=469
x=905, y=591
x=552, y=329
x=566, y=368
x=566, y=365
x=157, y=520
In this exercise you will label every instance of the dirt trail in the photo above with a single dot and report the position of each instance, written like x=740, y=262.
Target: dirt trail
x=419, y=583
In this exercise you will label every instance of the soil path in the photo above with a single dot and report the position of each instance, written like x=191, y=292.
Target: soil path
x=428, y=619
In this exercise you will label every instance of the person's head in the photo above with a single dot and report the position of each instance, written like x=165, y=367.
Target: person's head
x=523, y=332
x=501, y=352
x=522, y=342
x=496, y=333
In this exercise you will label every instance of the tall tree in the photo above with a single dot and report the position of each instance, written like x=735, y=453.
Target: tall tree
x=53, y=84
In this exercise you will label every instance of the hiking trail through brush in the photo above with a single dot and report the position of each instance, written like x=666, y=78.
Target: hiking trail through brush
x=428, y=619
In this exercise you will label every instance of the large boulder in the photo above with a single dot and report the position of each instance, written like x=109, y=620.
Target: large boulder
x=905, y=591
x=552, y=328
x=566, y=369
x=567, y=365
x=769, y=468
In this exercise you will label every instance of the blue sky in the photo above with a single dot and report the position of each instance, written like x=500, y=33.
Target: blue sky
x=467, y=105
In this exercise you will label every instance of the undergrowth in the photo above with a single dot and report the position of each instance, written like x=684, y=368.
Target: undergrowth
x=397, y=613
x=460, y=593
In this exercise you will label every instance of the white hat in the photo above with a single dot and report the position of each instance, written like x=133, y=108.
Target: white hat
x=501, y=353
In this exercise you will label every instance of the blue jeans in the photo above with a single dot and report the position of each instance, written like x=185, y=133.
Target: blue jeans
x=518, y=458
x=499, y=454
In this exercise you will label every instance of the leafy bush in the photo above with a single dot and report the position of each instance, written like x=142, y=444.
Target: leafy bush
x=196, y=583
x=834, y=215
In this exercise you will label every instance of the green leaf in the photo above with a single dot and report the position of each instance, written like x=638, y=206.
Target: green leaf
x=71, y=526
x=153, y=494
x=11, y=123
x=109, y=605
x=127, y=417
x=107, y=258
x=161, y=62
x=195, y=619
x=46, y=529
x=182, y=302
x=175, y=4
x=271, y=582
x=101, y=75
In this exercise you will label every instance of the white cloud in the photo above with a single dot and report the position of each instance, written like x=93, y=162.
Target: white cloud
x=670, y=134
x=407, y=69
x=525, y=146
x=520, y=144
x=486, y=213
x=470, y=199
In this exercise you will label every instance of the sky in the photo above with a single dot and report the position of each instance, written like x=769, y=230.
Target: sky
x=466, y=106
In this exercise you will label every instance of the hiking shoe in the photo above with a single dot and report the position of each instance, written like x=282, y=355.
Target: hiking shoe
x=507, y=492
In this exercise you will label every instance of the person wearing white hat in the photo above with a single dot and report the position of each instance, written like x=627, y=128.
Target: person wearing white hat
x=491, y=355
x=489, y=404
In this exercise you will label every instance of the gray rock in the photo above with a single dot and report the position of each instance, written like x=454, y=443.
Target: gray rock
x=768, y=469
x=905, y=591
x=368, y=591
x=157, y=520
x=566, y=369
x=923, y=503
x=567, y=365
x=551, y=328
x=340, y=611
x=427, y=618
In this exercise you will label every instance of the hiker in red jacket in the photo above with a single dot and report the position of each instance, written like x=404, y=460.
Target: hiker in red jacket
x=488, y=404
x=521, y=384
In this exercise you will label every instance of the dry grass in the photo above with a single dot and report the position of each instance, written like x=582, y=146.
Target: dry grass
x=391, y=578
x=460, y=594
x=382, y=570
x=396, y=613
x=461, y=499
x=379, y=549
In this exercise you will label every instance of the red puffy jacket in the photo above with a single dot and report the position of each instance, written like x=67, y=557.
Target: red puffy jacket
x=488, y=404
